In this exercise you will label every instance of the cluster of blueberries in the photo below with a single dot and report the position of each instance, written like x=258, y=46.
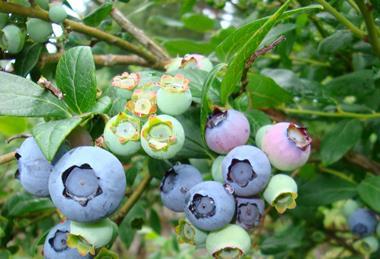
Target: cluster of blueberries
x=13, y=35
x=364, y=224
x=87, y=183
x=219, y=213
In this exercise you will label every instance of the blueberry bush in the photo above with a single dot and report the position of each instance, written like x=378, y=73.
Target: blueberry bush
x=190, y=129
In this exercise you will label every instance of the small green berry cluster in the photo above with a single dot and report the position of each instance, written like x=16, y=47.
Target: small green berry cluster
x=13, y=33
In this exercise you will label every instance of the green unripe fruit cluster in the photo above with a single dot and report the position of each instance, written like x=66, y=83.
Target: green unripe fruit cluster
x=38, y=30
x=12, y=39
x=57, y=13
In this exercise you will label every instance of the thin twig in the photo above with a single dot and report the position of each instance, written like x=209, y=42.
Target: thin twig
x=138, y=34
x=363, y=162
x=82, y=28
x=7, y=157
x=118, y=218
x=342, y=19
x=50, y=87
x=100, y=60
x=23, y=135
x=367, y=13
x=254, y=56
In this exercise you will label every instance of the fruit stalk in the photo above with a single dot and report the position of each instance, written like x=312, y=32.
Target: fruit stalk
x=125, y=208
x=371, y=26
x=138, y=34
x=82, y=28
x=343, y=20
x=100, y=60
x=7, y=157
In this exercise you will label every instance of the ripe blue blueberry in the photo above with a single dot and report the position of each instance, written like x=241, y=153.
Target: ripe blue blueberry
x=362, y=222
x=247, y=169
x=87, y=184
x=226, y=130
x=249, y=212
x=55, y=246
x=209, y=206
x=33, y=168
x=177, y=181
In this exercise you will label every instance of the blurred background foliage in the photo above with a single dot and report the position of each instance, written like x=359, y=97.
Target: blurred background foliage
x=321, y=69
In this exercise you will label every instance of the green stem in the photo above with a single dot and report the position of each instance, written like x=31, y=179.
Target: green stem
x=7, y=157
x=300, y=60
x=118, y=218
x=337, y=174
x=338, y=114
x=355, y=30
x=82, y=28
x=353, y=5
x=371, y=26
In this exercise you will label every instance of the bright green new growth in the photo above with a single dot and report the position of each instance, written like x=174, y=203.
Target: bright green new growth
x=38, y=30
x=57, y=13
x=12, y=39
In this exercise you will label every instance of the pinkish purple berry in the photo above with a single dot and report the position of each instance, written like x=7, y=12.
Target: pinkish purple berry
x=226, y=130
x=287, y=146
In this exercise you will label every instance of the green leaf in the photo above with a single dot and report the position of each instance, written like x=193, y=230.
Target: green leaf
x=154, y=220
x=157, y=168
x=288, y=239
x=339, y=40
x=102, y=105
x=184, y=46
x=339, y=140
x=105, y=253
x=265, y=93
x=22, y=97
x=349, y=84
x=205, y=102
x=50, y=135
x=369, y=192
x=30, y=206
x=323, y=190
x=132, y=222
x=197, y=79
x=98, y=15
x=193, y=147
x=28, y=59
x=76, y=78
x=198, y=22
x=235, y=40
x=236, y=67
x=39, y=241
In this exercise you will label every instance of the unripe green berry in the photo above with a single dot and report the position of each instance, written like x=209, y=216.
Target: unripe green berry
x=98, y=234
x=57, y=13
x=162, y=136
x=281, y=192
x=12, y=39
x=216, y=169
x=188, y=233
x=4, y=17
x=44, y=4
x=231, y=241
x=122, y=134
x=349, y=207
x=367, y=245
x=38, y=30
